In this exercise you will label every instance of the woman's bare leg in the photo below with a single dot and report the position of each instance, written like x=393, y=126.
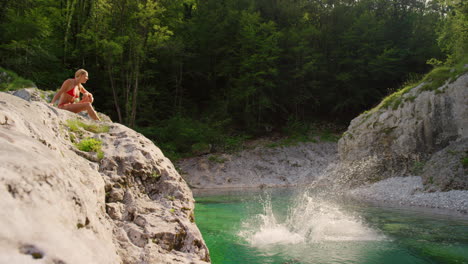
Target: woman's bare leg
x=78, y=107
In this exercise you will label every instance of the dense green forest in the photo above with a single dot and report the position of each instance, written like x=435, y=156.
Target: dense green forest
x=193, y=73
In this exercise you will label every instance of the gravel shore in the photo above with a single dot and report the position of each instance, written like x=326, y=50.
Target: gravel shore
x=408, y=191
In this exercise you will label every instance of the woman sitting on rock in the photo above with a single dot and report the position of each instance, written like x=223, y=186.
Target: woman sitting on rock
x=69, y=95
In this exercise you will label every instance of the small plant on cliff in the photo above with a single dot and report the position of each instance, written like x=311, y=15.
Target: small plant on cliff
x=72, y=138
x=155, y=175
x=394, y=100
x=464, y=160
x=100, y=155
x=217, y=159
x=417, y=168
x=76, y=126
x=91, y=145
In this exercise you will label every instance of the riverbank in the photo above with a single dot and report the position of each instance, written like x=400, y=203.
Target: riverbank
x=309, y=165
x=260, y=167
x=412, y=153
x=408, y=191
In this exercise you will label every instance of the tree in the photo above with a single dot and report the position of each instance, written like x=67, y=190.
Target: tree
x=453, y=31
x=254, y=87
x=125, y=34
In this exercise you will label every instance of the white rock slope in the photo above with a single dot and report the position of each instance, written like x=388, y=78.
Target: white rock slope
x=60, y=205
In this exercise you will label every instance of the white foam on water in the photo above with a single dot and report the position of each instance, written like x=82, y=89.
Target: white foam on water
x=274, y=235
x=264, y=229
x=309, y=220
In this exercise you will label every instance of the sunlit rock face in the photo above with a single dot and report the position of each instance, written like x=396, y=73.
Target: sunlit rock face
x=424, y=133
x=63, y=205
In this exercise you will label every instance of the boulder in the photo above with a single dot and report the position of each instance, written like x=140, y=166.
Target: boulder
x=34, y=94
x=59, y=204
x=445, y=170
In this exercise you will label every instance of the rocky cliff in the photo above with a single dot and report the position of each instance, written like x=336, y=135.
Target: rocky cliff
x=423, y=133
x=121, y=202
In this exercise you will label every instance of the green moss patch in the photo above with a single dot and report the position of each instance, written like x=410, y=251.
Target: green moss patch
x=155, y=175
x=437, y=78
x=394, y=100
x=432, y=81
x=441, y=75
x=91, y=145
x=417, y=168
x=464, y=160
x=217, y=159
x=77, y=125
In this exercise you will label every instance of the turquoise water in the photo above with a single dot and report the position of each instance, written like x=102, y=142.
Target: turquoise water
x=292, y=227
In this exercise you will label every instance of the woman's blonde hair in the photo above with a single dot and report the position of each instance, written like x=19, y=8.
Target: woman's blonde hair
x=80, y=72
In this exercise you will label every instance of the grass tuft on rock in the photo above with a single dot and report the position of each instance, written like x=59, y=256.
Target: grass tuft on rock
x=91, y=145
x=439, y=76
x=77, y=125
x=216, y=159
x=464, y=161
x=155, y=175
x=432, y=81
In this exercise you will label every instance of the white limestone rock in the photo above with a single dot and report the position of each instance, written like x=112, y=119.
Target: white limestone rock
x=403, y=141
x=57, y=206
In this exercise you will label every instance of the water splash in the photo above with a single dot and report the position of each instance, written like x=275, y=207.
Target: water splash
x=310, y=219
x=264, y=229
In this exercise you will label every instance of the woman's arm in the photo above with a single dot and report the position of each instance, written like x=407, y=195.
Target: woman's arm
x=83, y=90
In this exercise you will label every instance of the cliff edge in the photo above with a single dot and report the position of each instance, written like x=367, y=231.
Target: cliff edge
x=76, y=191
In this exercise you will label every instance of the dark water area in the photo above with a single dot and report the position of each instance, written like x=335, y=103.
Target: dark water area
x=290, y=227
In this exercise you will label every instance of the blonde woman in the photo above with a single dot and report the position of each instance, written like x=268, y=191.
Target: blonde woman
x=69, y=95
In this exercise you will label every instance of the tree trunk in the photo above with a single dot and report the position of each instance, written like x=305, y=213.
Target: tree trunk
x=134, y=97
x=114, y=93
x=3, y=9
x=178, y=89
x=127, y=87
x=70, y=9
